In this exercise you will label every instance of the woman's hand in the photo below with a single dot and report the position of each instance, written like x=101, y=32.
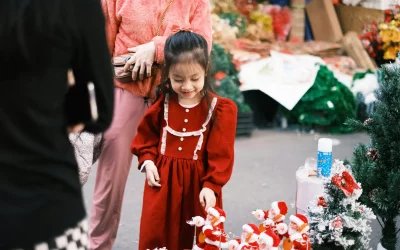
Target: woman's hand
x=153, y=179
x=207, y=198
x=142, y=59
x=76, y=128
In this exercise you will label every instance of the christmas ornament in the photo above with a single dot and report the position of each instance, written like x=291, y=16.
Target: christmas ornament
x=321, y=201
x=268, y=240
x=372, y=154
x=337, y=223
x=212, y=234
x=368, y=122
x=248, y=239
x=297, y=235
x=273, y=218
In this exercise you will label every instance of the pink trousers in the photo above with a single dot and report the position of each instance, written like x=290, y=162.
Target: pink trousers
x=113, y=169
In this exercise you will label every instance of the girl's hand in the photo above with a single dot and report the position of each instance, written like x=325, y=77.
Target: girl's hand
x=143, y=60
x=153, y=179
x=207, y=198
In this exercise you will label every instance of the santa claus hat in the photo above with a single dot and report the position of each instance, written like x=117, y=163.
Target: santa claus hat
x=301, y=221
x=270, y=239
x=251, y=228
x=279, y=207
x=217, y=212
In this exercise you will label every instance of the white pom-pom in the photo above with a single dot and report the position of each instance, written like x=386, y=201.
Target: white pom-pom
x=233, y=244
x=198, y=221
x=282, y=228
x=259, y=214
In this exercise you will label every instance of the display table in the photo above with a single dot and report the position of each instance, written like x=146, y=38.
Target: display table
x=309, y=188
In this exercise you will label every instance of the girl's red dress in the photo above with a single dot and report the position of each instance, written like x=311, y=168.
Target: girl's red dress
x=192, y=148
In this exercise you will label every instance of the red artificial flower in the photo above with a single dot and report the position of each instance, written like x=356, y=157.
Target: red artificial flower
x=219, y=76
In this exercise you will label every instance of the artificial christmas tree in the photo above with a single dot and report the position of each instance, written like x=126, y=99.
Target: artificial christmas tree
x=227, y=85
x=337, y=221
x=327, y=104
x=377, y=166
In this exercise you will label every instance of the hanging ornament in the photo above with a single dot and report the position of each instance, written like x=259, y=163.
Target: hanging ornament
x=337, y=223
x=372, y=154
x=368, y=121
x=321, y=202
x=350, y=180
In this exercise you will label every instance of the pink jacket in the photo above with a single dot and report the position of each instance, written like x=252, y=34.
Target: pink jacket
x=130, y=23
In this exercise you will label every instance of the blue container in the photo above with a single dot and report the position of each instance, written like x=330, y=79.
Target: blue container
x=324, y=158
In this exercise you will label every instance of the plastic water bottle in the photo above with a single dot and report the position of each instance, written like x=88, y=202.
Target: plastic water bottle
x=324, y=158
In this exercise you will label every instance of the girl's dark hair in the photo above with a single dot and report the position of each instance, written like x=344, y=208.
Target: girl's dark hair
x=185, y=46
x=25, y=25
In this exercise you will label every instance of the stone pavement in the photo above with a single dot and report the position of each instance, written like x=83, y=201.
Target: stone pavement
x=264, y=171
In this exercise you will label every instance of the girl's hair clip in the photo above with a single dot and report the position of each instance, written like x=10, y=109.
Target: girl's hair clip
x=176, y=29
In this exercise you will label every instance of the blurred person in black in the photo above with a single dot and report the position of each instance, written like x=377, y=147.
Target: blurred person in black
x=41, y=203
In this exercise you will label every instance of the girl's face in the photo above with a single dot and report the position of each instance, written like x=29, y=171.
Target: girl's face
x=187, y=81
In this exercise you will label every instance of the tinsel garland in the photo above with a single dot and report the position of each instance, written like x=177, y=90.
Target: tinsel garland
x=327, y=104
x=339, y=222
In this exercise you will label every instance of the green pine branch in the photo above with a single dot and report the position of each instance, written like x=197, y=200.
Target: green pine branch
x=380, y=175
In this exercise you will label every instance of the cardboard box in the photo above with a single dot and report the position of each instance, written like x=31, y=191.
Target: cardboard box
x=298, y=19
x=355, y=49
x=353, y=18
x=324, y=21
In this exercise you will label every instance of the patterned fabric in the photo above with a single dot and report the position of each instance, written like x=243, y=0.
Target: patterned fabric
x=87, y=151
x=73, y=239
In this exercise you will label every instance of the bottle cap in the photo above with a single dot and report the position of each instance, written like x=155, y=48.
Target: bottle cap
x=325, y=145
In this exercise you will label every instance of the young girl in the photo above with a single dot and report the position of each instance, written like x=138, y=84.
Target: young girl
x=185, y=144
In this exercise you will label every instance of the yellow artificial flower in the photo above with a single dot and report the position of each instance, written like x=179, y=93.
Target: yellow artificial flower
x=386, y=35
x=390, y=53
x=396, y=36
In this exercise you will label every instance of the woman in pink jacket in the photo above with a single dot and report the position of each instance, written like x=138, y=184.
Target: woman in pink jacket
x=141, y=27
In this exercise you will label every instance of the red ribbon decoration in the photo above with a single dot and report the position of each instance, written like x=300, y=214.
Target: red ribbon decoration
x=176, y=28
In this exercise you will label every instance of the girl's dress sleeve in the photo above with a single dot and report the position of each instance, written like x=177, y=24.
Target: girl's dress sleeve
x=200, y=22
x=110, y=8
x=220, y=146
x=145, y=143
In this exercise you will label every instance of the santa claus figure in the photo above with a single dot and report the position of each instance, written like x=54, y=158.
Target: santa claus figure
x=297, y=235
x=268, y=240
x=273, y=218
x=213, y=233
x=248, y=239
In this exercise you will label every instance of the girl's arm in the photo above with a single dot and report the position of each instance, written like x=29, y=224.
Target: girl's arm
x=220, y=146
x=145, y=143
x=112, y=22
x=200, y=22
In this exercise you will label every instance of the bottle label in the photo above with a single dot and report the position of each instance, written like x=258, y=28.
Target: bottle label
x=324, y=164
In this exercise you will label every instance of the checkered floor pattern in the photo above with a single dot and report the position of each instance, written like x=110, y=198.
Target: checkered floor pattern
x=73, y=239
